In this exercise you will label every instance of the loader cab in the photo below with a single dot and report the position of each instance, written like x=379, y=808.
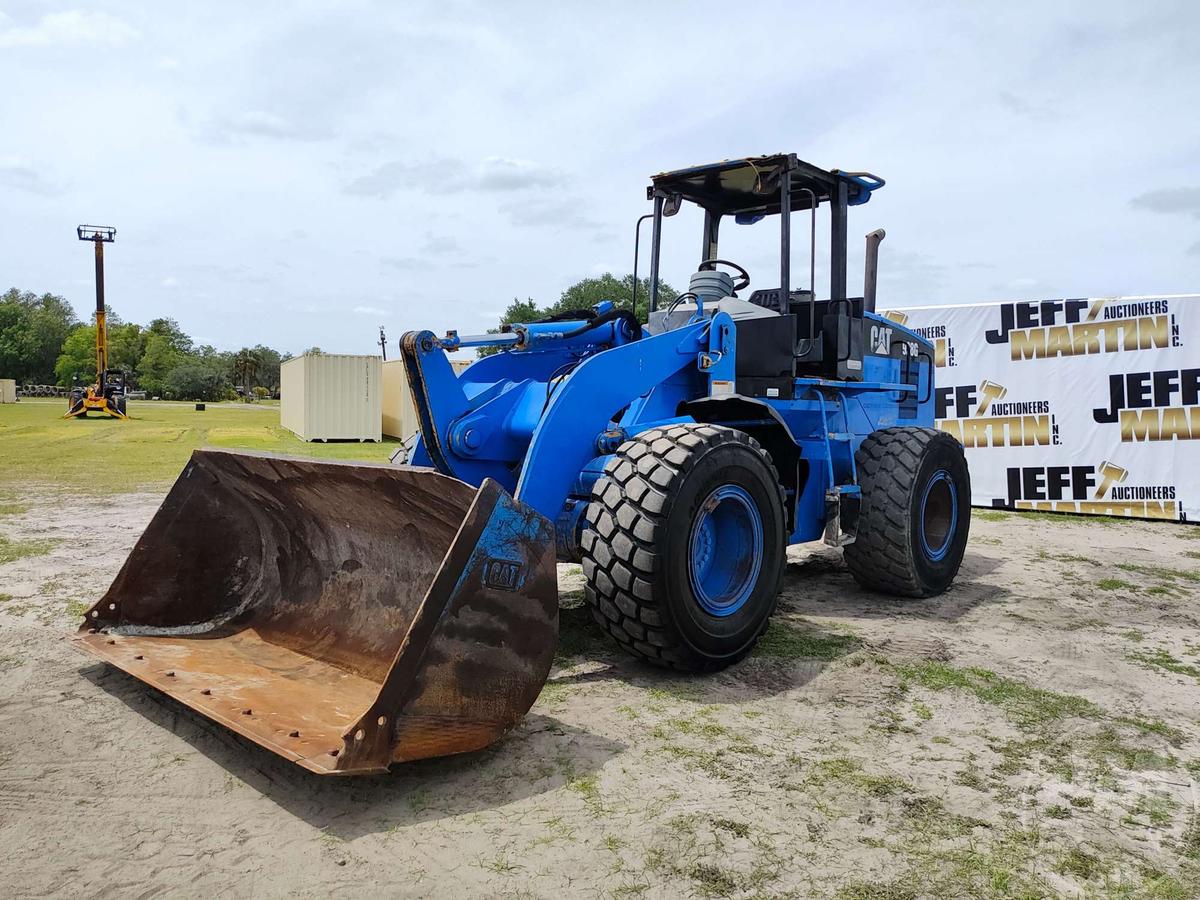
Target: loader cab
x=784, y=329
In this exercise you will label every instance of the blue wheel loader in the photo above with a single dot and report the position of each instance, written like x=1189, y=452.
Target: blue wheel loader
x=348, y=615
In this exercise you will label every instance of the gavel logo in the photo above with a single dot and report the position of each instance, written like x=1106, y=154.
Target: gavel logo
x=991, y=392
x=1109, y=474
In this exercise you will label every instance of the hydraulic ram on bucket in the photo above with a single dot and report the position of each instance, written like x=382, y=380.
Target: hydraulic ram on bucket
x=343, y=615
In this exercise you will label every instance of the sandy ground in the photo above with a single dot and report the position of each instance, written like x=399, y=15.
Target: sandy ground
x=1034, y=732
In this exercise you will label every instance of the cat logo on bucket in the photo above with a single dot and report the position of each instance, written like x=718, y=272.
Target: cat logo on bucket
x=1055, y=328
x=502, y=574
x=1097, y=490
x=977, y=416
x=1153, y=406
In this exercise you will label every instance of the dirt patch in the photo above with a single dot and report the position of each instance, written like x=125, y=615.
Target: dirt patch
x=1035, y=731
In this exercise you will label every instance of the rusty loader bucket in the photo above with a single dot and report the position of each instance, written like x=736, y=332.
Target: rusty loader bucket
x=343, y=615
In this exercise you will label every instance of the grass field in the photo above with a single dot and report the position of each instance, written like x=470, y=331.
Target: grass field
x=107, y=456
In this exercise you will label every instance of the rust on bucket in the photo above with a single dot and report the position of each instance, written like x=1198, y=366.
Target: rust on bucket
x=343, y=615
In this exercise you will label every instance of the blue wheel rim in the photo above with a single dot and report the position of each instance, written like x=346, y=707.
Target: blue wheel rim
x=725, y=550
x=939, y=515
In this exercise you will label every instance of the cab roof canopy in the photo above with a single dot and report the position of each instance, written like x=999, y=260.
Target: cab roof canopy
x=751, y=187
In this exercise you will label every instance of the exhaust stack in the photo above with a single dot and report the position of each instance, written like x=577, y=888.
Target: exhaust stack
x=871, y=275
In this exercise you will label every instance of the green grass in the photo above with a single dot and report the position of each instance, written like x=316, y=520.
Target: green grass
x=11, y=551
x=1189, y=845
x=989, y=515
x=800, y=640
x=850, y=772
x=1115, y=584
x=1080, y=864
x=1158, y=658
x=1026, y=705
x=1153, y=810
x=1042, y=714
x=106, y=456
x=1164, y=572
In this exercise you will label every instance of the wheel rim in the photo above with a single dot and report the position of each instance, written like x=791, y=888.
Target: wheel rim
x=939, y=515
x=725, y=550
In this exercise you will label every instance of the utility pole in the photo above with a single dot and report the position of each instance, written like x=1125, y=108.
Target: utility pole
x=383, y=343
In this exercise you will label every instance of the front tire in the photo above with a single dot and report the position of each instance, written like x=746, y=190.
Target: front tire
x=916, y=512
x=684, y=546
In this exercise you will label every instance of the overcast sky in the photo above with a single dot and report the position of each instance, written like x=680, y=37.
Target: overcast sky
x=299, y=173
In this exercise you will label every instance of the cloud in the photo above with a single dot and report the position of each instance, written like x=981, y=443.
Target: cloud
x=371, y=311
x=404, y=263
x=1170, y=200
x=1020, y=284
x=260, y=123
x=169, y=282
x=19, y=174
x=1194, y=250
x=497, y=173
x=1023, y=107
x=449, y=176
x=441, y=244
x=555, y=211
x=71, y=28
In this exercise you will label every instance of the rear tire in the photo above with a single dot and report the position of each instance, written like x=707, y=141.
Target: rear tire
x=916, y=512
x=684, y=546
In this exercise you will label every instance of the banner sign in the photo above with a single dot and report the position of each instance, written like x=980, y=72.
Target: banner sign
x=1084, y=406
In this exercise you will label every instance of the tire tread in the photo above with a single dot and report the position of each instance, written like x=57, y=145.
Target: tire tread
x=624, y=529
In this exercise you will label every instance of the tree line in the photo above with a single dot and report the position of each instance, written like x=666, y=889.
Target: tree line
x=42, y=342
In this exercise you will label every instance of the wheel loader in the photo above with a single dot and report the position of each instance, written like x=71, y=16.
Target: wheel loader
x=348, y=616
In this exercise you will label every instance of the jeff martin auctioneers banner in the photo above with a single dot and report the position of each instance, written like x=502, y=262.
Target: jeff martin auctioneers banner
x=1085, y=406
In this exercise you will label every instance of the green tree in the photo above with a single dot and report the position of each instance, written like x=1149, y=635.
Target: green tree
x=169, y=330
x=32, y=331
x=52, y=319
x=18, y=346
x=77, y=362
x=268, y=369
x=156, y=364
x=126, y=346
x=246, y=363
x=196, y=379
x=590, y=291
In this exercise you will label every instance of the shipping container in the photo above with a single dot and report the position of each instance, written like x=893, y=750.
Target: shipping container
x=8, y=390
x=328, y=397
x=399, y=414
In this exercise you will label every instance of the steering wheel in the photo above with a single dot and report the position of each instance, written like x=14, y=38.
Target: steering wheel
x=709, y=265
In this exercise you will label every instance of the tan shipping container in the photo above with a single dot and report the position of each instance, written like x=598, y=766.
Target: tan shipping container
x=399, y=414
x=331, y=397
x=8, y=390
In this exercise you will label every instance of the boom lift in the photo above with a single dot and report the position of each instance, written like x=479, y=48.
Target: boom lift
x=107, y=394
x=348, y=616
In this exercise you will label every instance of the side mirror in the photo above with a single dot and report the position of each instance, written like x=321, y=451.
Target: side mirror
x=671, y=204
